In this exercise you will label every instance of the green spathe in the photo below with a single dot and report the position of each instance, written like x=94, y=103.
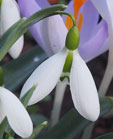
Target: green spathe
x=73, y=38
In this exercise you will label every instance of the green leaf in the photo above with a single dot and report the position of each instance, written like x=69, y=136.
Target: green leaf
x=64, y=1
x=17, y=71
x=18, y=29
x=1, y=77
x=106, y=136
x=3, y=126
x=37, y=130
x=72, y=124
x=25, y=99
x=7, y=135
x=38, y=118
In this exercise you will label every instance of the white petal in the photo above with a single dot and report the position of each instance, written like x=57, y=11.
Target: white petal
x=17, y=115
x=83, y=89
x=105, y=8
x=9, y=15
x=54, y=33
x=45, y=76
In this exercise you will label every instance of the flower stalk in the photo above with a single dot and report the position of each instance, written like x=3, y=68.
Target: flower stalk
x=59, y=95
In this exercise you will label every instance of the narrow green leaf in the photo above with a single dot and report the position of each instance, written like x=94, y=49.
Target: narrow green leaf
x=25, y=99
x=7, y=135
x=1, y=77
x=37, y=130
x=3, y=126
x=64, y=1
x=72, y=123
x=106, y=136
x=38, y=118
x=18, y=29
x=17, y=71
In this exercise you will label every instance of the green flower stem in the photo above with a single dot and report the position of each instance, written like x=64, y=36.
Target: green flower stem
x=88, y=131
x=106, y=80
x=68, y=14
x=59, y=94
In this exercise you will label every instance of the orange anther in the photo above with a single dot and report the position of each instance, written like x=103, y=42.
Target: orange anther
x=80, y=21
x=76, y=5
x=68, y=22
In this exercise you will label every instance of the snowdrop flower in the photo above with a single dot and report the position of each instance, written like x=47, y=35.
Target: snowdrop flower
x=93, y=35
x=15, y=112
x=67, y=65
x=10, y=14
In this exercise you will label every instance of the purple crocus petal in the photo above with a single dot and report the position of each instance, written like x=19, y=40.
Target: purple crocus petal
x=105, y=8
x=43, y=3
x=54, y=33
x=103, y=49
x=95, y=44
x=70, y=10
x=90, y=20
x=28, y=8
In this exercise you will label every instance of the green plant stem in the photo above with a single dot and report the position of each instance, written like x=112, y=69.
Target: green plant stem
x=88, y=130
x=106, y=80
x=59, y=95
x=68, y=14
x=37, y=130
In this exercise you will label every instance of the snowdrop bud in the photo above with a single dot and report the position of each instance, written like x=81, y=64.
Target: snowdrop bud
x=72, y=39
x=10, y=14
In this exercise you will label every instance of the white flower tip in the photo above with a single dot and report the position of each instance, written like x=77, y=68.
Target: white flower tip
x=93, y=116
x=16, y=49
x=90, y=113
x=27, y=133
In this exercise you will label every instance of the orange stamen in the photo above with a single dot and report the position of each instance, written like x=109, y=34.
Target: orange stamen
x=77, y=5
x=68, y=22
x=80, y=21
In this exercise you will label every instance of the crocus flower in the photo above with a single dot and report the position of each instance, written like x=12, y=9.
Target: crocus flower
x=51, y=32
x=82, y=86
x=17, y=116
x=10, y=14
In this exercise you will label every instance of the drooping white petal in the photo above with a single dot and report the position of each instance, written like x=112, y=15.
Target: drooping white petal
x=9, y=15
x=17, y=115
x=83, y=89
x=45, y=76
